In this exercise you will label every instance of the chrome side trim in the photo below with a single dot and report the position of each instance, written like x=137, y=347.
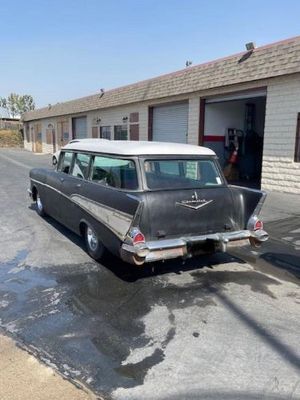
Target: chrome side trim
x=117, y=221
x=50, y=187
x=260, y=203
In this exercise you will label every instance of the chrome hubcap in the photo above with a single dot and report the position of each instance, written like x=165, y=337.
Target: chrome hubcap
x=39, y=203
x=92, y=239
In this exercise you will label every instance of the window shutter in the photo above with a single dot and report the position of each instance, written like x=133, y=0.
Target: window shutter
x=134, y=132
x=49, y=136
x=134, y=117
x=95, y=132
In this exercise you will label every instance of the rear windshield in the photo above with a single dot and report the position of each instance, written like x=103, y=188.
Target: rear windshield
x=181, y=174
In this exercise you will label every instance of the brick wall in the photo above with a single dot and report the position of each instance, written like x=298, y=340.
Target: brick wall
x=193, y=122
x=280, y=172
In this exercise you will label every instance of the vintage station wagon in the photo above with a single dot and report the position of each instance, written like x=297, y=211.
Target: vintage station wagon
x=147, y=201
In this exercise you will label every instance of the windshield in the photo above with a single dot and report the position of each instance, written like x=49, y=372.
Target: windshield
x=182, y=174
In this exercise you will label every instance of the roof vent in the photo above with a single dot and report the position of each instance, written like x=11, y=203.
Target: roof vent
x=250, y=46
x=101, y=92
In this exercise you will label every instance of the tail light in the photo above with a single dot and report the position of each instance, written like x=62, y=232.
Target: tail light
x=139, y=238
x=136, y=236
x=258, y=225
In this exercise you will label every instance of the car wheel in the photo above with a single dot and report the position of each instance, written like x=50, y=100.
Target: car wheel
x=94, y=246
x=39, y=205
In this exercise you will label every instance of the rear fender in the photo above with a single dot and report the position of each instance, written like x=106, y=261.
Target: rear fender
x=247, y=205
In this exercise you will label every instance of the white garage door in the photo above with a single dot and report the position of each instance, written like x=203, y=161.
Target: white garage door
x=79, y=128
x=170, y=123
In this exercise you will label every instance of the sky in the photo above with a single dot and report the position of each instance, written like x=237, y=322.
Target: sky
x=58, y=50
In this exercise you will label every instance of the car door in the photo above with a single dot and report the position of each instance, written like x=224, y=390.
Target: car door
x=56, y=201
x=72, y=185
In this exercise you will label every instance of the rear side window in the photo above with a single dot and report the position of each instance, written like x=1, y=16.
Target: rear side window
x=114, y=172
x=182, y=174
x=81, y=165
x=65, y=162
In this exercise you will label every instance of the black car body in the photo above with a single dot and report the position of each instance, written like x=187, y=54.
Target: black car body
x=147, y=201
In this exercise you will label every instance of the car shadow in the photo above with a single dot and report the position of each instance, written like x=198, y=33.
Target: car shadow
x=286, y=261
x=132, y=273
x=77, y=240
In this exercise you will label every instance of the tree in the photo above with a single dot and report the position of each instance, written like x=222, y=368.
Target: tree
x=16, y=104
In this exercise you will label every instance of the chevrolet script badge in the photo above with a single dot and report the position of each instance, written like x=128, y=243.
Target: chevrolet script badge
x=195, y=203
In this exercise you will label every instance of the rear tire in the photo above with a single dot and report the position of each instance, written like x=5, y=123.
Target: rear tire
x=94, y=246
x=39, y=206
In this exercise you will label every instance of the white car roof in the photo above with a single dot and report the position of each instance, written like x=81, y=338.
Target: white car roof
x=136, y=148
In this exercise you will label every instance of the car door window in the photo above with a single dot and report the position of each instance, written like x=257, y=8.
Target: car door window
x=118, y=173
x=65, y=162
x=81, y=166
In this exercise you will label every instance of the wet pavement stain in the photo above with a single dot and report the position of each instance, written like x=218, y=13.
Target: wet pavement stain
x=214, y=280
x=138, y=370
x=86, y=320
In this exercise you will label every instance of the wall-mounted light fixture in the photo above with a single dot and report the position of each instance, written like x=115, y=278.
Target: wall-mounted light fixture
x=125, y=119
x=98, y=120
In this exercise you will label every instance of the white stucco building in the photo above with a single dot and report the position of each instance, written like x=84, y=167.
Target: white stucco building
x=253, y=97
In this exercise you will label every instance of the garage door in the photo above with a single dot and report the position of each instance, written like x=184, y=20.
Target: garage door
x=79, y=128
x=170, y=123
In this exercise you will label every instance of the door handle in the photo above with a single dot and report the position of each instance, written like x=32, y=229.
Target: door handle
x=61, y=179
x=78, y=185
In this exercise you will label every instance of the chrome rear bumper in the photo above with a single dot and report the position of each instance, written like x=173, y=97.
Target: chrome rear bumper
x=173, y=248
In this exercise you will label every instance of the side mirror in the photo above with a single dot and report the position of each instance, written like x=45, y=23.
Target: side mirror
x=54, y=161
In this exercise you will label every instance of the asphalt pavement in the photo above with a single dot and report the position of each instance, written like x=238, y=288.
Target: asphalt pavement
x=218, y=327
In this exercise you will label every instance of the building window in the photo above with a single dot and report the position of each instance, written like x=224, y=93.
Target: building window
x=121, y=132
x=297, y=145
x=105, y=132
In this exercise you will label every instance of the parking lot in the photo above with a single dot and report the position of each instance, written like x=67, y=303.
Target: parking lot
x=215, y=327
